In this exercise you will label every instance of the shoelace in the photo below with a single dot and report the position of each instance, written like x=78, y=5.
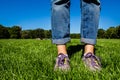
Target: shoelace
x=94, y=59
x=61, y=59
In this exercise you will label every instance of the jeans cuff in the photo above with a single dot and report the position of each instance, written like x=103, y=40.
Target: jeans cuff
x=88, y=41
x=60, y=41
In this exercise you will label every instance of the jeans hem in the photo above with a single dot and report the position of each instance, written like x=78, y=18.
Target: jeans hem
x=60, y=41
x=88, y=41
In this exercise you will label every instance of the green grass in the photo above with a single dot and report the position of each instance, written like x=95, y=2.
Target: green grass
x=35, y=59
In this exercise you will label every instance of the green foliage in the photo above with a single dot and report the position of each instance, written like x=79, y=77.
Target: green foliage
x=39, y=33
x=25, y=34
x=75, y=35
x=10, y=32
x=47, y=33
x=101, y=33
x=111, y=33
x=4, y=32
x=15, y=32
x=118, y=31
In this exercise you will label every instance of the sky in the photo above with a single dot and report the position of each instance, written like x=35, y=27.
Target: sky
x=33, y=14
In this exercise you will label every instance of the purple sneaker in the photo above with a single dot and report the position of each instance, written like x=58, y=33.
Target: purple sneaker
x=62, y=62
x=92, y=62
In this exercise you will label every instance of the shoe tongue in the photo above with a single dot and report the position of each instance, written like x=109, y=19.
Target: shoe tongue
x=62, y=55
x=61, y=58
x=88, y=55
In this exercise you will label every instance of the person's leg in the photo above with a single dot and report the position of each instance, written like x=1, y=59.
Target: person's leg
x=61, y=30
x=61, y=49
x=89, y=26
x=89, y=48
x=89, y=21
x=60, y=23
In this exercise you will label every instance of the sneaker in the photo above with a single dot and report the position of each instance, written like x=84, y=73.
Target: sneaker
x=62, y=63
x=92, y=62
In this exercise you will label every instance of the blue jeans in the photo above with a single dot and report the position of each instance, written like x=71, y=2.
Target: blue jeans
x=60, y=20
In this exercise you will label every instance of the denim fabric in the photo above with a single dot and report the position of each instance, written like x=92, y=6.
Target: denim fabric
x=60, y=20
x=89, y=22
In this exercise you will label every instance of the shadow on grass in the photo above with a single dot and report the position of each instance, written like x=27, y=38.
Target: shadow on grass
x=74, y=48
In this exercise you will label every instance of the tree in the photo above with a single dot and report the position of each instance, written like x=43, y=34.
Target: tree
x=15, y=32
x=25, y=34
x=111, y=33
x=118, y=31
x=4, y=32
x=101, y=33
x=39, y=33
x=47, y=33
x=75, y=35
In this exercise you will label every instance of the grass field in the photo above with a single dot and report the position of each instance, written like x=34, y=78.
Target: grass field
x=34, y=60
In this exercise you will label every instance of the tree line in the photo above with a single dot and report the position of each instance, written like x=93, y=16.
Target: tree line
x=110, y=33
x=16, y=32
